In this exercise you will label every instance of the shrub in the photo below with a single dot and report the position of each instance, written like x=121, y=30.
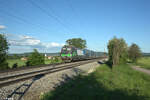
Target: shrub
x=134, y=52
x=56, y=59
x=4, y=65
x=27, y=63
x=3, y=52
x=35, y=58
x=117, y=50
x=15, y=65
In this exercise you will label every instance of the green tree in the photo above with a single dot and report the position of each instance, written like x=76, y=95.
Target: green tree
x=35, y=58
x=15, y=56
x=134, y=52
x=4, y=46
x=77, y=42
x=117, y=51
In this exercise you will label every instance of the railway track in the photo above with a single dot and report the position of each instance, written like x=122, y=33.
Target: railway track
x=12, y=79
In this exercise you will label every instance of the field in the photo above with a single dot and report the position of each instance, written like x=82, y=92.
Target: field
x=13, y=61
x=144, y=62
x=23, y=63
x=121, y=83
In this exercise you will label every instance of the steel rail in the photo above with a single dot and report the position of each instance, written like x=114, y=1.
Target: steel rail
x=6, y=82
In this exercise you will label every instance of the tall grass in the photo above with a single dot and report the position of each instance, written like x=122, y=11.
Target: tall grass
x=144, y=62
x=121, y=83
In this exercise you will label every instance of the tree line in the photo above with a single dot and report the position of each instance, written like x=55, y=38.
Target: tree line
x=120, y=53
x=35, y=58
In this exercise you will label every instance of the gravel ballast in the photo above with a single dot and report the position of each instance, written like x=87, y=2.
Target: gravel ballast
x=42, y=84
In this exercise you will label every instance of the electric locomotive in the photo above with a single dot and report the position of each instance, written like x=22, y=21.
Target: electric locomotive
x=70, y=53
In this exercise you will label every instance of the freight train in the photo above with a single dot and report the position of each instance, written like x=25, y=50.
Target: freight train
x=70, y=53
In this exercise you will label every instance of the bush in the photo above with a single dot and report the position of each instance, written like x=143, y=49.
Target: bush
x=56, y=59
x=4, y=65
x=27, y=63
x=35, y=59
x=3, y=52
x=117, y=50
x=15, y=65
x=134, y=52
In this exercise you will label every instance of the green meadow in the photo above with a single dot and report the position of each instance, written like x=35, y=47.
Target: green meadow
x=21, y=63
x=121, y=83
x=11, y=62
x=144, y=62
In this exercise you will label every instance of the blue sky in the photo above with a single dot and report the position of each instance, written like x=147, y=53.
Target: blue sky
x=47, y=24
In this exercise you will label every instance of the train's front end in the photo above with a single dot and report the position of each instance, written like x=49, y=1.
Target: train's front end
x=66, y=53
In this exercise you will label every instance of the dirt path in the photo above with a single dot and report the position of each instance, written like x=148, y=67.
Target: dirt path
x=141, y=69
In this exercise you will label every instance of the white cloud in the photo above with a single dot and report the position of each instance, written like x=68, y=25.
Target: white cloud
x=2, y=27
x=53, y=44
x=24, y=42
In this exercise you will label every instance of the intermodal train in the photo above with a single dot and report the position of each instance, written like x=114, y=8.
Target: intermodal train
x=70, y=53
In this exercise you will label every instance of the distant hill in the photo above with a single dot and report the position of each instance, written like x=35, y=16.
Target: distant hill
x=48, y=54
x=58, y=54
x=52, y=54
x=146, y=54
x=27, y=54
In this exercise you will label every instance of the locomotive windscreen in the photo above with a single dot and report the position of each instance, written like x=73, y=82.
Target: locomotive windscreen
x=66, y=50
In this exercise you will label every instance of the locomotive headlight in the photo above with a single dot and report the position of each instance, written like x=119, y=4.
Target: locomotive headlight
x=69, y=55
x=63, y=55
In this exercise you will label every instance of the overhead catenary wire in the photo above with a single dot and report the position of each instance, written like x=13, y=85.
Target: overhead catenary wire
x=53, y=12
x=74, y=12
x=48, y=14
x=21, y=19
x=71, y=7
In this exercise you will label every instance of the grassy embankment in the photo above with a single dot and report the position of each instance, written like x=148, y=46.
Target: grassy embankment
x=18, y=61
x=144, y=62
x=123, y=83
x=23, y=63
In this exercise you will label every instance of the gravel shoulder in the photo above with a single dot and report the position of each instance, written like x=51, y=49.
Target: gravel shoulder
x=44, y=84
x=141, y=69
x=28, y=70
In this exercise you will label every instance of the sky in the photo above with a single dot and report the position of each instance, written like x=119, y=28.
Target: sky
x=47, y=24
